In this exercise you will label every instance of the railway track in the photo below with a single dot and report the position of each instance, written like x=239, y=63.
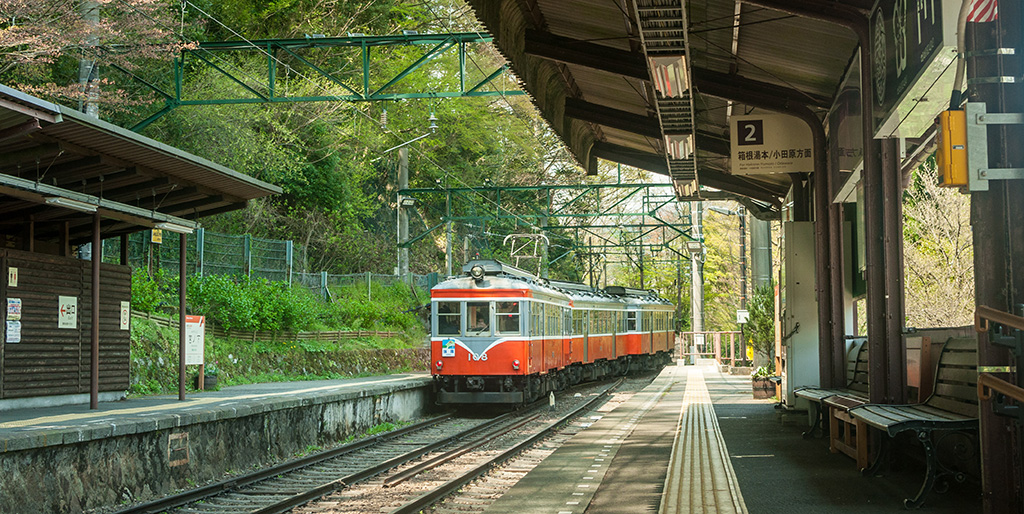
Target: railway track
x=441, y=442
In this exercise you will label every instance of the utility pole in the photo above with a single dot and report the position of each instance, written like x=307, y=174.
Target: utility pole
x=88, y=72
x=696, y=272
x=760, y=252
x=741, y=213
x=448, y=228
x=403, y=215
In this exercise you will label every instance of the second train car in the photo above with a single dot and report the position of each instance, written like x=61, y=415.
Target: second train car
x=501, y=335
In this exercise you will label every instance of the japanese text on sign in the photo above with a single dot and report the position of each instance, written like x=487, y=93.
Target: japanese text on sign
x=770, y=143
x=194, y=339
x=67, y=312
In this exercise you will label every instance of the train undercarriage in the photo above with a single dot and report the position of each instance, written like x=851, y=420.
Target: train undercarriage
x=520, y=389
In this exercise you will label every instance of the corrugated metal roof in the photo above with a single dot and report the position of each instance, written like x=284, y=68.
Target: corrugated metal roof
x=804, y=55
x=48, y=149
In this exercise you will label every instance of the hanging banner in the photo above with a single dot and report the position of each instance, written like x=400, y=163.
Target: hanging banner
x=195, y=339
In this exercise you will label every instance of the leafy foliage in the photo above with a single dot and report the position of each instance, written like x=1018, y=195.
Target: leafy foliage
x=760, y=329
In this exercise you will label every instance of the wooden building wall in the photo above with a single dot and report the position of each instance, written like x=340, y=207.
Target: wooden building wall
x=56, y=361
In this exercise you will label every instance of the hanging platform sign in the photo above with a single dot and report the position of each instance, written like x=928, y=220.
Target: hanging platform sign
x=770, y=143
x=913, y=46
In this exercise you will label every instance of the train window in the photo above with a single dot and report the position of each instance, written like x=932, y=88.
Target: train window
x=508, y=317
x=449, y=316
x=479, y=320
x=631, y=321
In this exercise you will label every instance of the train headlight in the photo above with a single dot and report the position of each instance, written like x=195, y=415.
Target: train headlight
x=439, y=365
x=477, y=272
x=515, y=364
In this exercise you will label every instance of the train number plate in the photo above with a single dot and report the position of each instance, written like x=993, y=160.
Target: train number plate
x=448, y=348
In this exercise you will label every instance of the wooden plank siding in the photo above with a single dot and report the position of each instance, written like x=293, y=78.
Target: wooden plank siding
x=54, y=361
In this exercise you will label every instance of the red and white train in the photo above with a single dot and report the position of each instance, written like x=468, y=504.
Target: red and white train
x=502, y=335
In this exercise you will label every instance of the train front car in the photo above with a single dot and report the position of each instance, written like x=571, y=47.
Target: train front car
x=488, y=342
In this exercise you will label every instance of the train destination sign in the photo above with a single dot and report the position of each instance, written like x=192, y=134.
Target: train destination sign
x=770, y=143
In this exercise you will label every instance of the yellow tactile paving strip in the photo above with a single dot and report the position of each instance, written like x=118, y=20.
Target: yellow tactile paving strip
x=700, y=477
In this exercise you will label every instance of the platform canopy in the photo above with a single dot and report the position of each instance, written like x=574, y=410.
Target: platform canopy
x=59, y=166
x=607, y=77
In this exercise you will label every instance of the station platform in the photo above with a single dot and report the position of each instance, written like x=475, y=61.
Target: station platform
x=73, y=459
x=696, y=441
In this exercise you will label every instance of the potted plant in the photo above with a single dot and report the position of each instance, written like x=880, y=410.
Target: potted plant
x=760, y=332
x=762, y=383
x=210, y=373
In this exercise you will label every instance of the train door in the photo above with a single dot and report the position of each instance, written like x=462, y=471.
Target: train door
x=586, y=335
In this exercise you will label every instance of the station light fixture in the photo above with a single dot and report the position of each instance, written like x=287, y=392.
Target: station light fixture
x=174, y=227
x=68, y=203
x=669, y=73
x=679, y=146
x=694, y=247
x=408, y=201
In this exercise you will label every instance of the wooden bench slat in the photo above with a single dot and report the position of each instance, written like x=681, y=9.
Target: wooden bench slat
x=960, y=392
x=958, y=407
x=962, y=343
x=961, y=359
x=816, y=394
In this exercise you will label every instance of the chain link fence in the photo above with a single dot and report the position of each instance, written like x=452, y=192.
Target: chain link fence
x=210, y=253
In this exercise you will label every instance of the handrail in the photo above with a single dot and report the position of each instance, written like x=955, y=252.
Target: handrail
x=988, y=383
x=983, y=314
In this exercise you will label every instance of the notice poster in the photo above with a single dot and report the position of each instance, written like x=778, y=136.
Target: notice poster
x=13, y=334
x=13, y=309
x=195, y=336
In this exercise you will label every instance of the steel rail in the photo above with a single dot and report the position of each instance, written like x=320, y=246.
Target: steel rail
x=178, y=500
x=447, y=488
x=453, y=454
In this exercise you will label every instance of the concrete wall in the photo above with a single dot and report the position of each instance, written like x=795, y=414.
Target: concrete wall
x=174, y=451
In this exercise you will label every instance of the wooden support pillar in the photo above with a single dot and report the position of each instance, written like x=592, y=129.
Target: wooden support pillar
x=94, y=310
x=874, y=257
x=892, y=215
x=835, y=221
x=124, y=250
x=823, y=274
x=998, y=233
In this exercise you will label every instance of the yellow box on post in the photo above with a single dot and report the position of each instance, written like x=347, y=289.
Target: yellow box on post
x=951, y=154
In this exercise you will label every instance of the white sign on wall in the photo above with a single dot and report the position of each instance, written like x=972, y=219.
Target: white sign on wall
x=67, y=312
x=12, y=277
x=770, y=143
x=126, y=315
x=195, y=338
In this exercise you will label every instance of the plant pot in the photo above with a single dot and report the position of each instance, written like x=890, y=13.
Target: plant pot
x=209, y=382
x=763, y=388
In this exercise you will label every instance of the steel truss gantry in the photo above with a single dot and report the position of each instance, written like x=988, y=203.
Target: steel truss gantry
x=637, y=215
x=287, y=55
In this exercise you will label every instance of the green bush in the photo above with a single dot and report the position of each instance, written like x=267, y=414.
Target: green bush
x=148, y=292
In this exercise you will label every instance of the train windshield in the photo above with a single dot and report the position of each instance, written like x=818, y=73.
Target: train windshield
x=449, y=317
x=478, y=322
x=508, y=317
